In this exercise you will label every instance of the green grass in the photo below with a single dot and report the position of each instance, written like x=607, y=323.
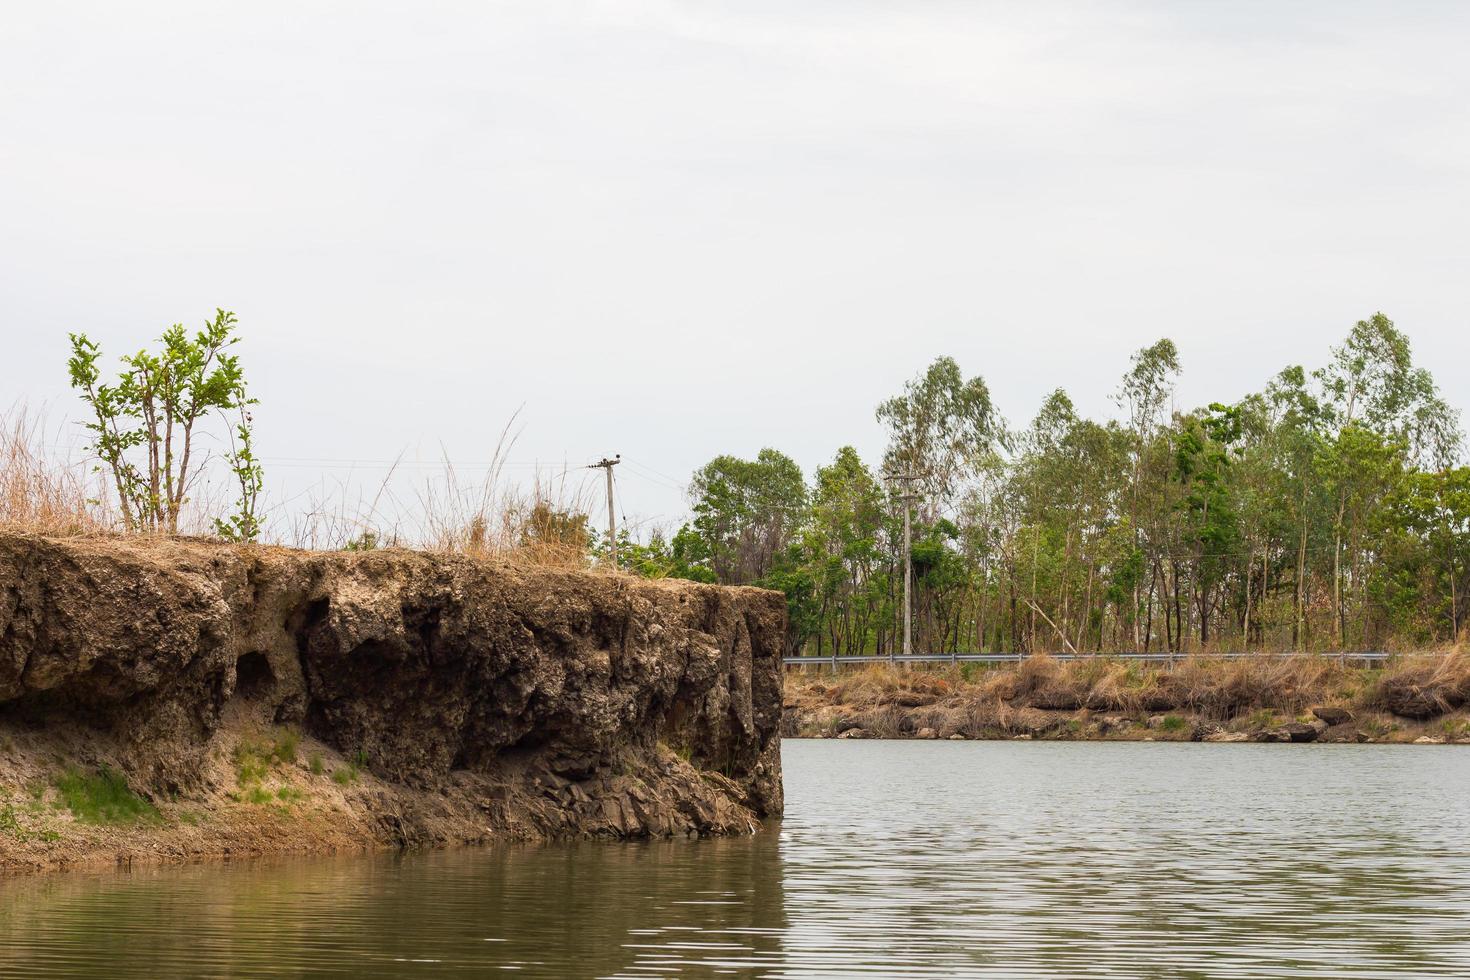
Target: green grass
x=1262, y=718
x=286, y=744
x=102, y=797
x=1173, y=723
x=10, y=826
x=254, y=760
x=347, y=774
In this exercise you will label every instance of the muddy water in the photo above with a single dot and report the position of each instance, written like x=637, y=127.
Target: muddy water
x=896, y=859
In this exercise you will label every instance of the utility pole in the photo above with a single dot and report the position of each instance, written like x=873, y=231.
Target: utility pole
x=907, y=498
x=606, y=466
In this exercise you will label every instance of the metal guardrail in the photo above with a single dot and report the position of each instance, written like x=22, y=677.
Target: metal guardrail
x=1366, y=656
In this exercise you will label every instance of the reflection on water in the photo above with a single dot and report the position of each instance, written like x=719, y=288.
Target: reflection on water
x=909, y=859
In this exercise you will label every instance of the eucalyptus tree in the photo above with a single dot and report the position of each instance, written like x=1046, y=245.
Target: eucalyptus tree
x=1370, y=386
x=1145, y=394
x=940, y=429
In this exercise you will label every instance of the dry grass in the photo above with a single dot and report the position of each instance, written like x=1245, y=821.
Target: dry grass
x=40, y=490
x=46, y=490
x=1011, y=698
x=489, y=516
x=1423, y=687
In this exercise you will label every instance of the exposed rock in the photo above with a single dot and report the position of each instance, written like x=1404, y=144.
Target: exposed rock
x=926, y=733
x=1296, y=732
x=463, y=685
x=854, y=733
x=1332, y=714
x=957, y=737
x=1428, y=740
x=1223, y=736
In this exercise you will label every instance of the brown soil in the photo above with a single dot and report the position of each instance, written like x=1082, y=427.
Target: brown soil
x=265, y=700
x=1286, y=699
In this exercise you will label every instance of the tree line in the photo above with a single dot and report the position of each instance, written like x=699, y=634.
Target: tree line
x=1329, y=510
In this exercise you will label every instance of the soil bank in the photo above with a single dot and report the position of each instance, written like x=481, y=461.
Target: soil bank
x=175, y=700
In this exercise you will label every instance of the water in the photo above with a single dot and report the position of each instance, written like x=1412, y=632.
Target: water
x=896, y=859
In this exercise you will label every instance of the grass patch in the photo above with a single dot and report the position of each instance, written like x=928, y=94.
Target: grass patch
x=1263, y=718
x=289, y=794
x=346, y=774
x=1173, y=723
x=1377, y=728
x=255, y=759
x=102, y=797
x=10, y=825
x=315, y=765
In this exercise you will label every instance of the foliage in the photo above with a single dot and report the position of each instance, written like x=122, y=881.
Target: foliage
x=144, y=425
x=1325, y=511
x=102, y=797
x=746, y=512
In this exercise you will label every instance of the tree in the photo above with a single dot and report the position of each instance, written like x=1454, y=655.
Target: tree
x=1370, y=385
x=940, y=429
x=156, y=406
x=747, y=511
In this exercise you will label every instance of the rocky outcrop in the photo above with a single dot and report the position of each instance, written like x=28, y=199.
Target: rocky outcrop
x=482, y=700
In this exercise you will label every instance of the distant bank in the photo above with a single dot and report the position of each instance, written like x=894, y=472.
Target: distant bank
x=1416, y=699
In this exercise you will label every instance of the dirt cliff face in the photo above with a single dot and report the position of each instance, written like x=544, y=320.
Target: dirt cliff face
x=480, y=700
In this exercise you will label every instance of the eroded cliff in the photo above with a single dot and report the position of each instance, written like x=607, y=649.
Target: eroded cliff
x=453, y=700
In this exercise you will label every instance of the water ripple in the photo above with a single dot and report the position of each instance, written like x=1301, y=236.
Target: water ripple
x=898, y=859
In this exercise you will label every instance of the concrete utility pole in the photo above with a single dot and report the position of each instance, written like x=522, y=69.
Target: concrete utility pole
x=907, y=498
x=606, y=465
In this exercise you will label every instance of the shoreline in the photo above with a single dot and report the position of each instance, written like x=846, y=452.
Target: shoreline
x=173, y=701
x=1414, y=700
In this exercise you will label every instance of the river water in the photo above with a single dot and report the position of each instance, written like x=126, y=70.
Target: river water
x=896, y=859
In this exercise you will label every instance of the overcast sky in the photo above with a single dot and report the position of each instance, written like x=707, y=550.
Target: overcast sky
x=672, y=230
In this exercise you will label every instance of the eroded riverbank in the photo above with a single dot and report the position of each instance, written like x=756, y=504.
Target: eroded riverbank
x=174, y=700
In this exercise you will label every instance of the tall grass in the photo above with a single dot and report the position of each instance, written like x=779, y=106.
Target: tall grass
x=1419, y=686
x=489, y=516
x=42, y=489
x=45, y=488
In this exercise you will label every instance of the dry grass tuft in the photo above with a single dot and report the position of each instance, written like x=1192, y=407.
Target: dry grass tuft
x=39, y=491
x=1423, y=687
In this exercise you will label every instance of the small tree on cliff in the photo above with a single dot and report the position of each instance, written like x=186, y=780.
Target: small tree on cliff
x=144, y=426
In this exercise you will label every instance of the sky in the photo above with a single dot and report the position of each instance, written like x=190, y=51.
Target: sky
x=675, y=230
